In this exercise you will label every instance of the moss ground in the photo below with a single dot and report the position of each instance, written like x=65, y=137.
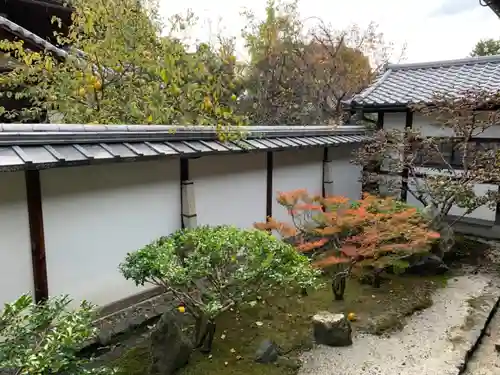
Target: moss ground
x=286, y=320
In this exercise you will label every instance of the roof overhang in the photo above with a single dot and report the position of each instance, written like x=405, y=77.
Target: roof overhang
x=33, y=134
x=373, y=108
x=493, y=4
x=42, y=146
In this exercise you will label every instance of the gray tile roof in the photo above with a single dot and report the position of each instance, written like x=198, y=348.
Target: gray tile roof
x=42, y=146
x=404, y=84
x=493, y=4
x=27, y=35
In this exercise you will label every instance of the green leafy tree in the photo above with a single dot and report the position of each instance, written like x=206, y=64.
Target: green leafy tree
x=486, y=47
x=123, y=65
x=300, y=75
x=210, y=270
x=41, y=339
x=454, y=163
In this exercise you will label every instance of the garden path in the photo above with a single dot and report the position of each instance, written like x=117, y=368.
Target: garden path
x=435, y=341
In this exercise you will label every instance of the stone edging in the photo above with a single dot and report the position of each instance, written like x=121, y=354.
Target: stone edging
x=470, y=352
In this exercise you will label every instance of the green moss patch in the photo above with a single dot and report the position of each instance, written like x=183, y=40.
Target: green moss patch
x=286, y=319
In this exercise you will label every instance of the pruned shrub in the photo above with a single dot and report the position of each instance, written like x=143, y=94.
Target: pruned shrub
x=210, y=270
x=41, y=339
x=339, y=235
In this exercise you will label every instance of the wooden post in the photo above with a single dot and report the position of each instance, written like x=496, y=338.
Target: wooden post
x=497, y=211
x=327, y=185
x=188, y=197
x=373, y=187
x=269, y=184
x=35, y=217
x=405, y=172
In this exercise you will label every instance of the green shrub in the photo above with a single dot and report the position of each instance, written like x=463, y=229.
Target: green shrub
x=212, y=269
x=41, y=339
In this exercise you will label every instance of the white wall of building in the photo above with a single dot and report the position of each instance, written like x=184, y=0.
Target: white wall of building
x=428, y=127
x=303, y=169
x=95, y=215
x=346, y=176
x=230, y=189
x=296, y=169
x=16, y=272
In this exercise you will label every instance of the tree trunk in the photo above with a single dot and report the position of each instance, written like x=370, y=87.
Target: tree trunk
x=208, y=339
x=439, y=224
x=338, y=287
x=200, y=331
x=204, y=334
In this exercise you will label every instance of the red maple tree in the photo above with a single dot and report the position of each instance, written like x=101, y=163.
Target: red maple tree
x=369, y=235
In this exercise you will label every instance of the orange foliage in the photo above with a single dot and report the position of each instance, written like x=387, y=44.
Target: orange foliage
x=371, y=229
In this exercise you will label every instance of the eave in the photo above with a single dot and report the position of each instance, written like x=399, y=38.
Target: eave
x=43, y=146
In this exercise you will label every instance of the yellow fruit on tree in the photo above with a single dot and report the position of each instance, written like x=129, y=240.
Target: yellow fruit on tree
x=181, y=309
x=97, y=85
x=351, y=317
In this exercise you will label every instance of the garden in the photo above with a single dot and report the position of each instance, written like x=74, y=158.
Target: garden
x=338, y=274
x=246, y=300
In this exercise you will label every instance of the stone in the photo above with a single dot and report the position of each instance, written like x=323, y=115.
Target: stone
x=497, y=347
x=268, y=352
x=331, y=329
x=170, y=348
x=447, y=235
x=289, y=363
x=446, y=240
x=427, y=265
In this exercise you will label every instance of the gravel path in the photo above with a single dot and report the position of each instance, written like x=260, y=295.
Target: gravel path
x=434, y=342
x=486, y=360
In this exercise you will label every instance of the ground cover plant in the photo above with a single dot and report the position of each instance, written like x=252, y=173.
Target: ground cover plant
x=286, y=319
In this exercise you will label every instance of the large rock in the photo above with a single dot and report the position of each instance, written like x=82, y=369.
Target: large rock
x=331, y=329
x=427, y=265
x=170, y=348
x=268, y=352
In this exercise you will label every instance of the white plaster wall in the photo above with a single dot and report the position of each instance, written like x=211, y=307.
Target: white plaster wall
x=346, y=176
x=429, y=128
x=230, y=189
x=16, y=275
x=483, y=212
x=94, y=215
x=296, y=169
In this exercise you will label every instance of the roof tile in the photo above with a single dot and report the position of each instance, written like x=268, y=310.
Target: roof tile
x=407, y=84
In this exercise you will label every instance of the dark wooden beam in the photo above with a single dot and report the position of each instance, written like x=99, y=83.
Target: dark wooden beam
x=35, y=217
x=497, y=210
x=325, y=160
x=184, y=168
x=59, y=5
x=269, y=184
x=373, y=187
x=380, y=120
x=405, y=172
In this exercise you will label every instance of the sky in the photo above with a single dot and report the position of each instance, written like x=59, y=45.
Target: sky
x=431, y=29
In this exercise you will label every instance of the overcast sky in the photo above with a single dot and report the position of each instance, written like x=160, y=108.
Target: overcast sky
x=432, y=29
